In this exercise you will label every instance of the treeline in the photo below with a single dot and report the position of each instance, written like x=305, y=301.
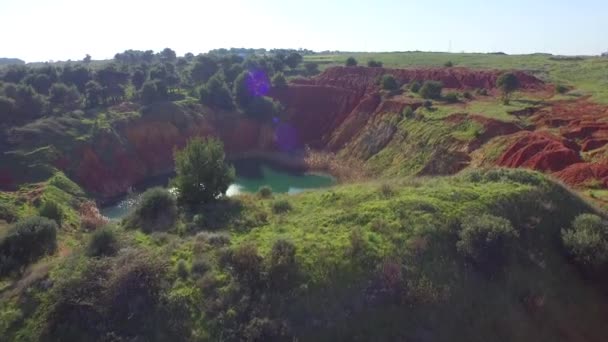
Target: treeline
x=223, y=79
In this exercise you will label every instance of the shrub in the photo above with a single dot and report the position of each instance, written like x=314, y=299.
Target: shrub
x=246, y=264
x=448, y=64
x=311, y=68
x=156, y=211
x=351, y=61
x=374, y=64
x=427, y=104
x=103, y=242
x=482, y=92
x=27, y=241
x=587, y=240
x=451, y=97
x=182, y=269
x=484, y=239
x=265, y=192
x=283, y=267
x=561, y=89
x=8, y=212
x=202, y=173
x=281, y=206
x=407, y=112
x=200, y=267
x=415, y=86
x=264, y=107
x=388, y=82
x=279, y=81
x=431, y=90
x=52, y=210
x=386, y=190
x=467, y=95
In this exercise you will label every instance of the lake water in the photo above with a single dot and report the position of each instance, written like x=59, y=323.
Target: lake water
x=251, y=174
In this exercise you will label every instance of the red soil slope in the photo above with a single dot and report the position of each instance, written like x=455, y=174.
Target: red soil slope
x=540, y=151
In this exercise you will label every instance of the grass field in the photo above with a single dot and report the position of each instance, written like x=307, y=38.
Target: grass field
x=588, y=74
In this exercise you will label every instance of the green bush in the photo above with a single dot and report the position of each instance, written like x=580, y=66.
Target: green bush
x=156, y=211
x=103, y=242
x=200, y=267
x=587, y=240
x=427, y=104
x=482, y=92
x=374, y=64
x=485, y=238
x=451, y=98
x=448, y=64
x=389, y=82
x=507, y=83
x=8, y=212
x=407, y=112
x=415, y=86
x=52, y=210
x=27, y=241
x=431, y=90
x=351, y=61
x=467, y=95
x=281, y=206
x=265, y=192
x=561, y=89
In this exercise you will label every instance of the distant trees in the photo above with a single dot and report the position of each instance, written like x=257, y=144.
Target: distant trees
x=507, y=83
x=202, y=173
x=87, y=59
x=93, y=94
x=112, y=81
x=351, y=61
x=167, y=55
x=431, y=90
x=374, y=64
x=243, y=93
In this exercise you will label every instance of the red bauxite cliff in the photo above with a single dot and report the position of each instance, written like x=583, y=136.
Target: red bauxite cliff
x=326, y=112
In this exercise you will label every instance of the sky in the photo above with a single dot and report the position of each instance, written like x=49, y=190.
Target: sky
x=42, y=30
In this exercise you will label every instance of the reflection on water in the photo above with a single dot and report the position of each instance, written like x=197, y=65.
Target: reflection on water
x=251, y=174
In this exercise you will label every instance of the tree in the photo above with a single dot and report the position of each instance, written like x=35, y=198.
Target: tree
x=7, y=109
x=167, y=74
x=351, y=61
x=87, y=59
x=216, y=94
x=374, y=64
x=202, y=173
x=507, y=83
x=279, y=81
x=293, y=60
x=64, y=97
x=242, y=91
x=112, y=80
x=167, y=55
x=431, y=90
x=138, y=78
x=153, y=91
x=93, y=94
x=28, y=103
x=78, y=76
x=312, y=68
x=389, y=82
x=204, y=67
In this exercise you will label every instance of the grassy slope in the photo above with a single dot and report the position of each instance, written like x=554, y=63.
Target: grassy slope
x=589, y=75
x=412, y=222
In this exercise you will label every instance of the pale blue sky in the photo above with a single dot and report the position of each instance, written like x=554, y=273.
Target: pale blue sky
x=39, y=30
